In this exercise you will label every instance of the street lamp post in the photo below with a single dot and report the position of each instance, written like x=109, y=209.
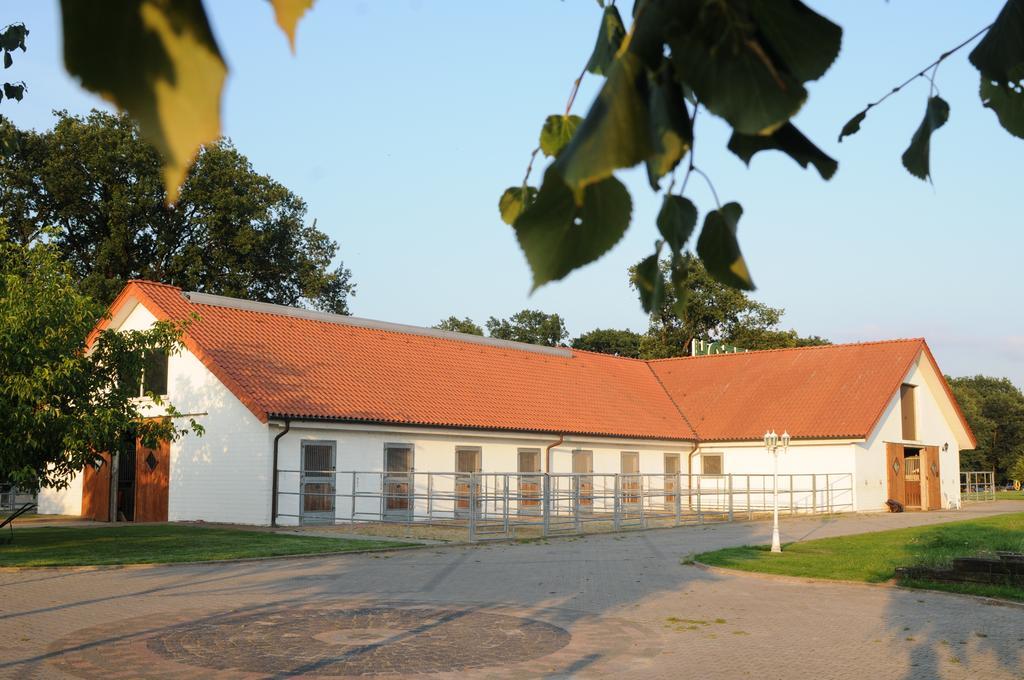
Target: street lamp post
x=771, y=443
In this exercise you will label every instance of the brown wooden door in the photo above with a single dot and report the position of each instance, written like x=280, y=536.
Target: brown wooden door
x=931, y=479
x=152, y=477
x=894, y=472
x=96, y=491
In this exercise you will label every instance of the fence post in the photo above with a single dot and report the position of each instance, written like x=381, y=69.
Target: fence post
x=679, y=500
x=430, y=496
x=828, y=493
x=750, y=509
x=729, y=483
x=546, y=504
x=791, y=510
x=700, y=513
x=616, y=503
x=814, y=494
x=472, y=507
x=506, y=502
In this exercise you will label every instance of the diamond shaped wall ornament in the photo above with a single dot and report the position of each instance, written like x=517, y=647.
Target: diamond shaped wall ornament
x=151, y=461
x=896, y=466
x=935, y=470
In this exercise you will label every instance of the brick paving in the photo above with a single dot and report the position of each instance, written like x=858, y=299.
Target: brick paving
x=586, y=607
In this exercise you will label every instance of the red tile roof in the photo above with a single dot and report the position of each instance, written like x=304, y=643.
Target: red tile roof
x=287, y=363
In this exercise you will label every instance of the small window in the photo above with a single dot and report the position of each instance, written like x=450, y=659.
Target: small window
x=154, y=373
x=908, y=411
x=629, y=462
x=529, y=460
x=711, y=464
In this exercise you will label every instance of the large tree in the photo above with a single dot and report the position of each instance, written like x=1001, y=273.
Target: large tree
x=60, y=402
x=232, y=231
x=457, y=325
x=711, y=310
x=994, y=408
x=530, y=325
x=623, y=343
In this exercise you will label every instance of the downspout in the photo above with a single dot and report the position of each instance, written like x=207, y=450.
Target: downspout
x=689, y=478
x=547, y=453
x=273, y=497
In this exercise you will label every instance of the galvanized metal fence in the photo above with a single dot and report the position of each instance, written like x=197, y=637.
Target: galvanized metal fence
x=498, y=505
x=11, y=497
x=977, y=486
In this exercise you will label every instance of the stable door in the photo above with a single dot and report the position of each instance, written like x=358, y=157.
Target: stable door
x=467, y=486
x=398, y=481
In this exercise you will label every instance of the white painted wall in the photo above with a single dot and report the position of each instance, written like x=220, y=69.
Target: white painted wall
x=933, y=429
x=63, y=502
x=361, y=449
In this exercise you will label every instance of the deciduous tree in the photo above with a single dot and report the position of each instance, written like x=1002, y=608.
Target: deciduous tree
x=232, y=231
x=530, y=325
x=623, y=343
x=457, y=325
x=62, y=403
x=994, y=408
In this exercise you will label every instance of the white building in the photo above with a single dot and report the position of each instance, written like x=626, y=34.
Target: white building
x=332, y=402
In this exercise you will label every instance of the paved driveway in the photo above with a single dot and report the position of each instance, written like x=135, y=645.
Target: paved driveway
x=591, y=606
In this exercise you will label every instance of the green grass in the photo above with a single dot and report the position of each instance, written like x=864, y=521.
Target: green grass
x=143, y=544
x=1010, y=495
x=873, y=557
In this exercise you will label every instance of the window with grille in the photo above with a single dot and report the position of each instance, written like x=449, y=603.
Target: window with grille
x=711, y=464
x=318, y=461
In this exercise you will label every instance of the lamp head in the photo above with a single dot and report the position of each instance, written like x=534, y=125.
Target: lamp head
x=771, y=440
x=785, y=438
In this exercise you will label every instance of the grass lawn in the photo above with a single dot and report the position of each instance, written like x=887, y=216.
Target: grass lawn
x=874, y=557
x=1010, y=495
x=147, y=543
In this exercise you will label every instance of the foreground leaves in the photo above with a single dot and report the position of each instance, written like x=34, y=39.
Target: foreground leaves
x=558, y=235
x=158, y=61
x=288, y=13
x=1007, y=101
x=791, y=142
x=916, y=158
x=719, y=249
x=676, y=220
x=514, y=201
x=557, y=132
x=609, y=38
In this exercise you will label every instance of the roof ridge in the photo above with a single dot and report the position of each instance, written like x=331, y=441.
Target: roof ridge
x=606, y=354
x=863, y=343
x=273, y=309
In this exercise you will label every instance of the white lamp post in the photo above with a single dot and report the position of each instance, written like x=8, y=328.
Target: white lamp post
x=771, y=443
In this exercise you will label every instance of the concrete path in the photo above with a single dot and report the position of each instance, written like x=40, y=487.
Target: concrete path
x=586, y=607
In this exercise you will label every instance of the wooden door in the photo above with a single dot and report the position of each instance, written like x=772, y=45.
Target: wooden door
x=912, y=477
x=894, y=473
x=152, y=477
x=467, y=462
x=629, y=464
x=530, y=481
x=671, y=475
x=96, y=491
x=398, y=481
x=930, y=470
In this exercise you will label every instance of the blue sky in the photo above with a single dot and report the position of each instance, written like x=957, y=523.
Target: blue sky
x=400, y=122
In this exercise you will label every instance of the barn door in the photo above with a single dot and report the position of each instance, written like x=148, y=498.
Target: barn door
x=894, y=472
x=318, y=482
x=152, y=477
x=96, y=490
x=931, y=478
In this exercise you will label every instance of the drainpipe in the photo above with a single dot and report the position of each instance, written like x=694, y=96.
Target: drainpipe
x=689, y=478
x=273, y=497
x=547, y=453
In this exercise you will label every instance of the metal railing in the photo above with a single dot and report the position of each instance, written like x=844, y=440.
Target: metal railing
x=977, y=486
x=493, y=505
x=11, y=497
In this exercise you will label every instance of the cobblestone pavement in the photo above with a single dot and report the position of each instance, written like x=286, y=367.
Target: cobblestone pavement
x=586, y=607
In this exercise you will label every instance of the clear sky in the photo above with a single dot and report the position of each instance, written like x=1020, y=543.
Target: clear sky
x=401, y=122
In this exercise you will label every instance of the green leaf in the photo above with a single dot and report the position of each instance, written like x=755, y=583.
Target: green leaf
x=1008, y=103
x=719, y=250
x=916, y=157
x=609, y=38
x=747, y=60
x=1000, y=54
x=514, y=201
x=676, y=220
x=680, y=273
x=557, y=132
x=13, y=37
x=14, y=91
x=650, y=282
x=8, y=61
x=670, y=127
x=615, y=132
x=788, y=140
x=557, y=235
x=853, y=125
x=159, y=62
x=287, y=13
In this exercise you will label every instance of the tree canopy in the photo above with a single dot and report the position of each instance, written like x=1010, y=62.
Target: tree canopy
x=710, y=310
x=232, y=230
x=457, y=325
x=994, y=408
x=59, y=404
x=530, y=325
x=623, y=343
